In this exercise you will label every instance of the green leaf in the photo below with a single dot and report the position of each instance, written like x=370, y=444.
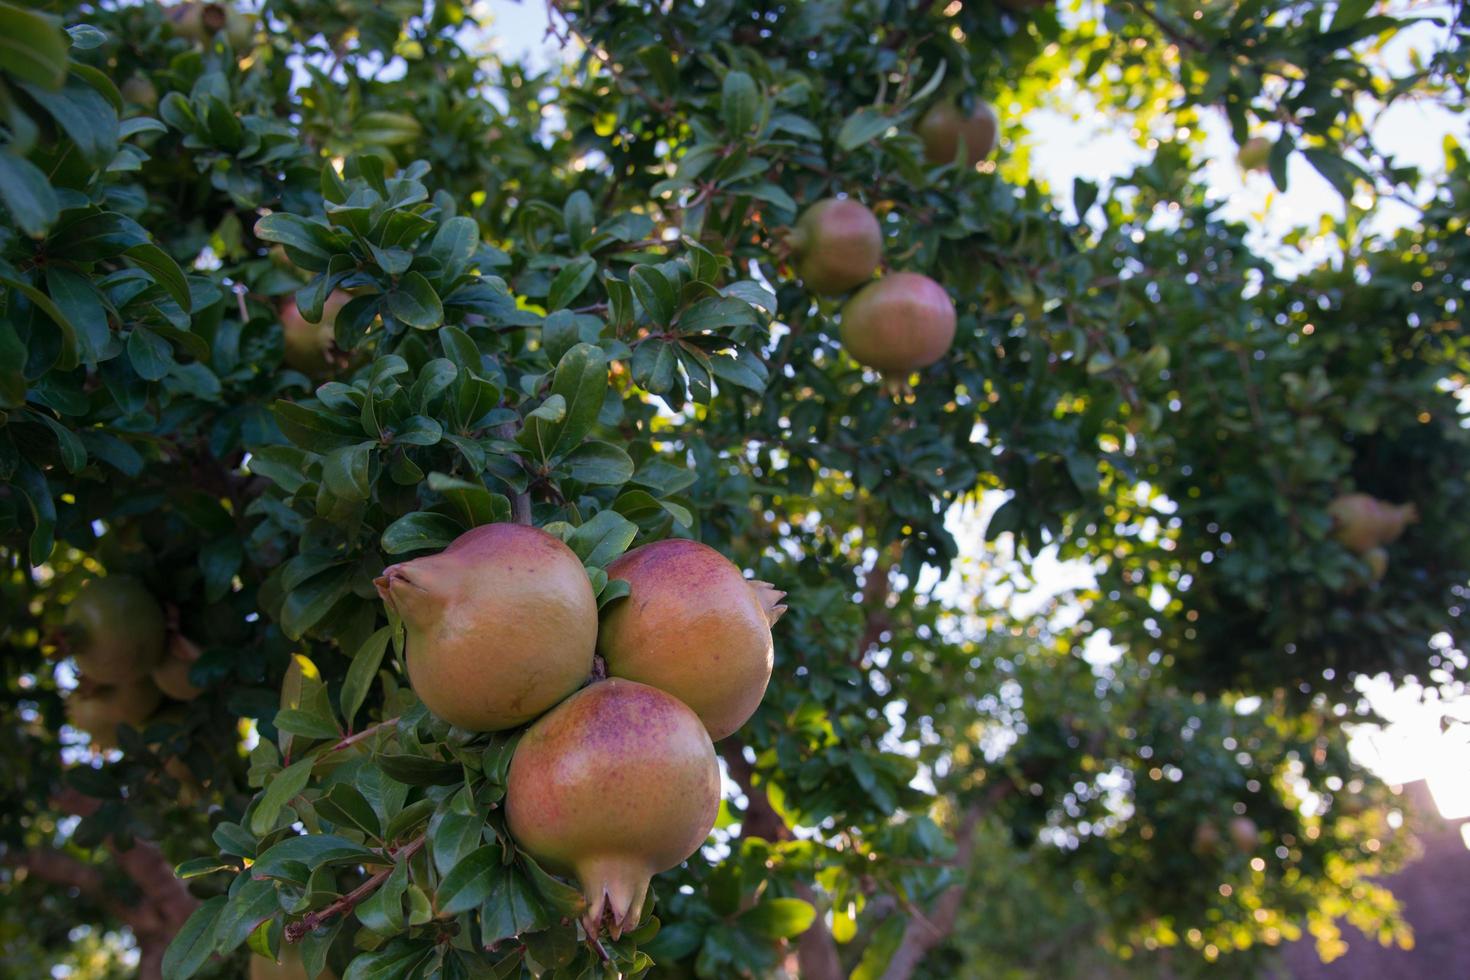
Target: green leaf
x=152, y=356
x=27, y=195
x=360, y=674
x=286, y=784
x=345, y=471
x=472, y=503
x=779, y=918
x=345, y=806
x=420, y=531
x=164, y=270
x=600, y=464
x=86, y=116
x=570, y=282
x=562, y=898
x=415, y=303
x=194, y=943
x=581, y=381
x=33, y=47
x=43, y=302
x=470, y=881
x=716, y=313
x=316, y=429
x=313, y=851
x=739, y=102
x=76, y=297
x=383, y=911
x=862, y=127
x=306, y=724
x=510, y=908
x=655, y=292
x=602, y=538
x=200, y=866
x=306, y=604
x=416, y=770
x=454, y=246
x=578, y=216
x=654, y=365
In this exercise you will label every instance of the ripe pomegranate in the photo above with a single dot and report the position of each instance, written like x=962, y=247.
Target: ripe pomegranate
x=1244, y=834
x=1254, y=154
x=501, y=625
x=98, y=709
x=616, y=784
x=693, y=626
x=308, y=345
x=838, y=245
x=1206, y=838
x=195, y=21
x=902, y=322
x=1364, y=522
x=172, y=675
x=114, y=629
x=945, y=126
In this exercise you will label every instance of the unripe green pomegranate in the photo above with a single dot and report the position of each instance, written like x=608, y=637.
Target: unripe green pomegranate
x=98, y=709
x=1362, y=522
x=114, y=629
x=501, y=625
x=140, y=91
x=309, y=345
x=614, y=785
x=837, y=244
x=693, y=626
x=1244, y=834
x=240, y=29
x=899, y=324
x=1254, y=154
x=944, y=127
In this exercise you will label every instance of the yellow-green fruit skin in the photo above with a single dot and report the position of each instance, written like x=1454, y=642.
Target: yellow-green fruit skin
x=616, y=784
x=501, y=625
x=838, y=245
x=172, y=674
x=308, y=344
x=98, y=709
x=693, y=626
x=944, y=126
x=1377, y=559
x=900, y=323
x=115, y=629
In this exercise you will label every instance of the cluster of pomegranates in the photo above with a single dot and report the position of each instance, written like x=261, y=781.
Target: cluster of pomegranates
x=903, y=321
x=615, y=780
x=125, y=658
x=1366, y=526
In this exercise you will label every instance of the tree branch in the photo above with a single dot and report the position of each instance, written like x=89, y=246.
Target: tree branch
x=924, y=932
x=296, y=931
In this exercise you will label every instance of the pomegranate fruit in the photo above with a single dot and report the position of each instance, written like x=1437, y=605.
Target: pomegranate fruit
x=1363, y=522
x=98, y=709
x=693, y=626
x=501, y=625
x=309, y=345
x=1206, y=838
x=172, y=674
x=838, y=245
x=1254, y=154
x=944, y=127
x=1377, y=559
x=114, y=629
x=902, y=322
x=1244, y=834
x=614, y=785
x=196, y=21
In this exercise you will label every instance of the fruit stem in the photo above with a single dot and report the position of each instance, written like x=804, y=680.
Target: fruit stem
x=367, y=732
